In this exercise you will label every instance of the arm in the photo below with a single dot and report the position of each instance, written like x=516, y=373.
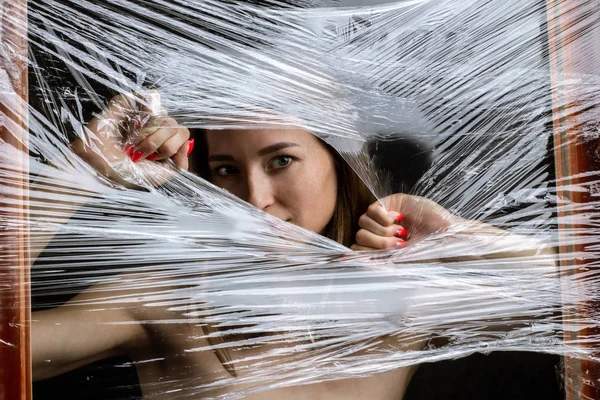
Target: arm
x=89, y=328
x=400, y=220
x=84, y=330
x=475, y=270
x=110, y=141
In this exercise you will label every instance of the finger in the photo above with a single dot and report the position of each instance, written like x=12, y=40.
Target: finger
x=156, y=139
x=381, y=216
x=423, y=216
x=373, y=226
x=143, y=110
x=172, y=145
x=154, y=122
x=357, y=247
x=369, y=239
x=181, y=158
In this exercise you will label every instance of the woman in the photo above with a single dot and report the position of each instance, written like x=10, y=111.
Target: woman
x=287, y=173
x=346, y=197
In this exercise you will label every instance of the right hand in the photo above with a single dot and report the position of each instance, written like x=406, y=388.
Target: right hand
x=127, y=129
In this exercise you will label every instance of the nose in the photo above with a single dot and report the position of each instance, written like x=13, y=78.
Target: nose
x=260, y=190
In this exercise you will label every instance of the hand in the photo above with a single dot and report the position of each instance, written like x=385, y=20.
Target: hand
x=128, y=129
x=398, y=219
x=161, y=138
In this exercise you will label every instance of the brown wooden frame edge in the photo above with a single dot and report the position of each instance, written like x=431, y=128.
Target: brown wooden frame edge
x=15, y=310
x=581, y=376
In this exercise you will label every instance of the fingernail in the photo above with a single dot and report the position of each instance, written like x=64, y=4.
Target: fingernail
x=399, y=218
x=128, y=150
x=191, y=147
x=137, y=156
x=153, y=156
x=401, y=233
x=400, y=243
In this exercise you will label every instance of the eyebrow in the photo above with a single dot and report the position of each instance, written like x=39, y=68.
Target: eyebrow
x=269, y=149
x=277, y=146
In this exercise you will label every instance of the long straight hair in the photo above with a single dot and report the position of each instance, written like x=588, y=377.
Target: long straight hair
x=353, y=198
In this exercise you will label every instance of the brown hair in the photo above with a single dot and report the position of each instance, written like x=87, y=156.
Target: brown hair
x=353, y=198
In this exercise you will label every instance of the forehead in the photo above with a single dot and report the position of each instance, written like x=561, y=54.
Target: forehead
x=257, y=137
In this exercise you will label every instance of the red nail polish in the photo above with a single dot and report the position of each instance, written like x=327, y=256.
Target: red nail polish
x=153, y=156
x=400, y=233
x=137, y=156
x=399, y=218
x=400, y=243
x=191, y=147
x=128, y=150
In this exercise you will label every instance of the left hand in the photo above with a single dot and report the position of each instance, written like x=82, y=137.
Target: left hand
x=401, y=218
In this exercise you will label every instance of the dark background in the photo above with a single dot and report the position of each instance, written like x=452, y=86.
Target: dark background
x=501, y=375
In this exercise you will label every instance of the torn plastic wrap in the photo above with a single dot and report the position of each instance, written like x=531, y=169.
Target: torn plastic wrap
x=456, y=104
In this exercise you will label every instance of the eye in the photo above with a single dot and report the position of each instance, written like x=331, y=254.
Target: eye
x=225, y=170
x=280, y=162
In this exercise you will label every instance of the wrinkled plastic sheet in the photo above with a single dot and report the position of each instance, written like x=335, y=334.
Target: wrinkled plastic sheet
x=448, y=100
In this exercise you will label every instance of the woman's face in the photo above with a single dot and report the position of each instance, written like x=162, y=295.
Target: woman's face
x=286, y=172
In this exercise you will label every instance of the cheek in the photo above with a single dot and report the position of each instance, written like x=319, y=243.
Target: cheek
x=314, y=197
x=328, y=194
